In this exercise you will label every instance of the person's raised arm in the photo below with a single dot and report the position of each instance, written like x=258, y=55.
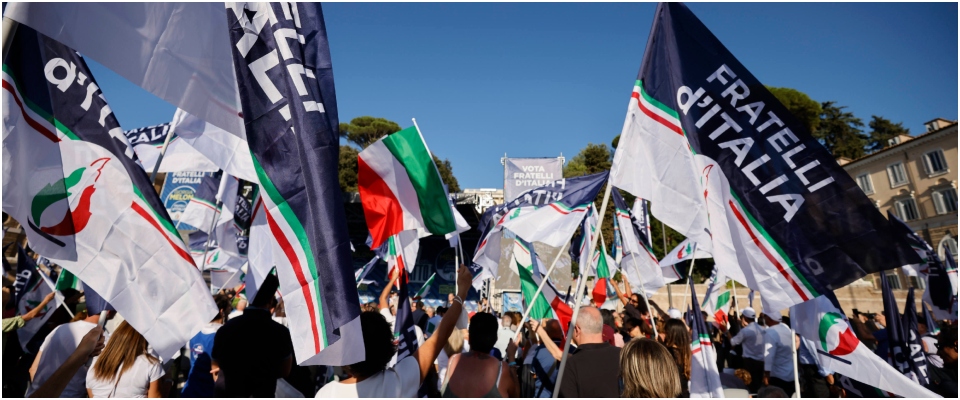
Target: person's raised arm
x=385, y=294
x=430, y=349
x=548, y=343
x=36, y=310
x=663, y=314
x=623, y=297
x=90, y=346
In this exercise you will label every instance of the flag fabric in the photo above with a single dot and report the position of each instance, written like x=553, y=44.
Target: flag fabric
x=260, y=259
x=236, y=216
x=426, y=286
x=604, y=267
x=34, y=288
x=898, y=346
x=704, y=375
x=550, y=214
x=461, y=223
x=26, y=274
x=716, y=301
x=402, y=250
x=639, y=263
x=580, y=248
x=403, y=329
x=548, y=304
x=227, y=151
x=641, y=211
x=616, y=249
x=203, y=206
x=72, y=179
x=148, y=142
x=822, y=322
x=911, y=330
x=295, y=154
x=363, y=271
x=941, y=290
x=725, y=164
x=933, y=328
x=400, y=187
x=684, y=251
x=67, y=280
x=574, y=194
x=225, y=278
x=95, y=302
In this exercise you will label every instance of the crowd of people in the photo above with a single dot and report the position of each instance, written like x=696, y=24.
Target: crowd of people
x=246, y=350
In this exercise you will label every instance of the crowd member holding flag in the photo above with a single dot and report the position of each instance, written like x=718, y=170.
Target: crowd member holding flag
x=778, y=348
x=750, y=338
x=943, y=381
x=58, y=346
x=16, y=322
x=372, y=378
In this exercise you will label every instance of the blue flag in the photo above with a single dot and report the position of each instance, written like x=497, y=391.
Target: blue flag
x=403, y=328
x=27, y=274
x=95, y=303
x=918, y=359
x=284, y=74
x=933, y=328
x=725, y=163
x=898, y=349
x=704, y=375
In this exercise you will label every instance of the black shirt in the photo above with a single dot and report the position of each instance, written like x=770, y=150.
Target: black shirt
x=592, y=371
x=250, y=350
x=420, y=319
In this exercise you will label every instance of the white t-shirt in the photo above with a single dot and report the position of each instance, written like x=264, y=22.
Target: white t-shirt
x=56, y=348
x=402, y=380
x=134, y=382
x=385, y=312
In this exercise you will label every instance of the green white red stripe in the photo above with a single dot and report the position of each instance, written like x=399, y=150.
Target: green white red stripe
x=401, y=188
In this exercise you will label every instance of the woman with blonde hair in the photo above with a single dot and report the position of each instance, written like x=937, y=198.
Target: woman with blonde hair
x=648, y=370
x=126, y=367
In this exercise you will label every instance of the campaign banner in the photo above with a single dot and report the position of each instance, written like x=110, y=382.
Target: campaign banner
x=178, y=189
x=522, y=174
x=512, y=301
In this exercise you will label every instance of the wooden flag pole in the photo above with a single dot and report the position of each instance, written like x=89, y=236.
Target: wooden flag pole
x=579, y=295
x=553, y=265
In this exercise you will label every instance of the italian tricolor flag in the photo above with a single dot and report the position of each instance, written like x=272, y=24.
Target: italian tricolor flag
x=401, y=189
x=549, y=303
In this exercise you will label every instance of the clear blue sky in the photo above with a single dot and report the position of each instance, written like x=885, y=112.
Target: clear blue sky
x=541, y=79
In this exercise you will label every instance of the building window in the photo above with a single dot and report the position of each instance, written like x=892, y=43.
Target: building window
x=935, y=163
x=945, y=200
x=865, y=183
x=892, y=279
x=947, y=242
x=907, y=209
x=897, y=174
x=917, y=282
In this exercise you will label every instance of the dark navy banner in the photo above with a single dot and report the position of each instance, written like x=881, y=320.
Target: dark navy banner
x=797, y=199
x=911, y=323
x=27, y=274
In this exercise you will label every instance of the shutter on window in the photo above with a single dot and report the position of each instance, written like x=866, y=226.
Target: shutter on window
x=938, y=203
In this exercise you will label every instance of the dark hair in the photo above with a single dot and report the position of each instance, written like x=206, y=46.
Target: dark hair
x=641, y=305
x=947, y=336
x=224, y=304
x=483, y=332
x=677, y=338
x=607, y=316
x=377, y=343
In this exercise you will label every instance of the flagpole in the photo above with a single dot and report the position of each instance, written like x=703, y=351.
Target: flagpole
x=689, y=275
x=663, y=234
x=456, y=274
x=533, y=299
x=736, y=303
x=163, y=151
x=579, y=295
x=230, y=278
x=796, y=374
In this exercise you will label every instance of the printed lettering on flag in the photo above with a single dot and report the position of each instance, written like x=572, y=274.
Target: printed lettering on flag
x=702, y=134
x=75, y=184
x=280, y=59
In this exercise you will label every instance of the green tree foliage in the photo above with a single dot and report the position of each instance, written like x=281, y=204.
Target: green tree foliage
x=615, y=142
x=364, y=131
x=592, y=159
x=841, y=132
x=881, y=131
x=446, y=174
x=800, y=105
x=348, y=168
